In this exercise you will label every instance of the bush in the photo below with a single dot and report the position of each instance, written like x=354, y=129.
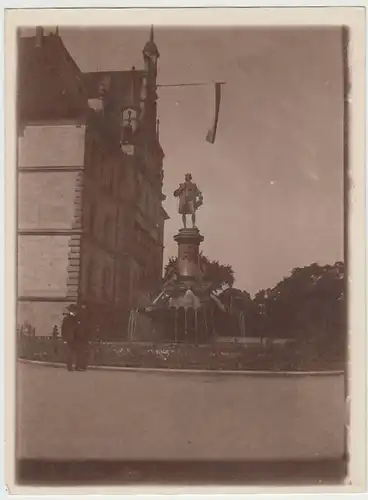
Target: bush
x=293, y=357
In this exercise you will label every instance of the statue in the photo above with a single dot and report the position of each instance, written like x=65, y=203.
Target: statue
x=190, y=199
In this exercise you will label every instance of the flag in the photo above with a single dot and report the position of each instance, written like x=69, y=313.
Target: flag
x=211, y=135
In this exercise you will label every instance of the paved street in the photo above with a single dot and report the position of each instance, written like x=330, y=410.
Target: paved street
x=117, y=415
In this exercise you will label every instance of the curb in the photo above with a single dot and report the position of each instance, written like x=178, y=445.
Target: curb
x=264, y=373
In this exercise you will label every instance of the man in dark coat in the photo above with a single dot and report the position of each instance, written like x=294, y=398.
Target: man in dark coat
x=71, y=330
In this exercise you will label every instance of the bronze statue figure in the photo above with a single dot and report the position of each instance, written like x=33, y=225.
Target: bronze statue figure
x=190, y=199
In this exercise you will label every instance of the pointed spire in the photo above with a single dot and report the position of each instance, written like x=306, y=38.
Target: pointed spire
x=150, y=49
x=152, y=38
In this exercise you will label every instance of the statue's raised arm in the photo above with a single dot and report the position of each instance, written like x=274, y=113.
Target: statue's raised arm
x=190, y=199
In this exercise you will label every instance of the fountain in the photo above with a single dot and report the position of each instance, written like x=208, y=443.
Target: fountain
x=184, y=309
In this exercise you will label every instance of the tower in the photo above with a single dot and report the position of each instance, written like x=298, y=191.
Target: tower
x=151, y=55
x=125, y=118
x=149, y=86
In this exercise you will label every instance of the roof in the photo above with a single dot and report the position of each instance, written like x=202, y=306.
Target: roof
x=150, y=49
x=49, y=81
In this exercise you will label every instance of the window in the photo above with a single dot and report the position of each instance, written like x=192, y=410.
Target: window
x=106, y=279
x=129, y=126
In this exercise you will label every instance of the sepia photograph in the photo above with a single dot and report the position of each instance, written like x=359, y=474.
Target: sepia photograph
x=182, y=254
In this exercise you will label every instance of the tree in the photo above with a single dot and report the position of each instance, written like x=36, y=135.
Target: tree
x=219, y=275
x=235, y=299
x=308, y=305
x=242, y=309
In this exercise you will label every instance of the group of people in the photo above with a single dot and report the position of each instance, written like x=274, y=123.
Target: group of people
x=74, y=331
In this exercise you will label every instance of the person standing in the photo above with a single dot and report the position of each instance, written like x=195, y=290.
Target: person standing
x=74, y=333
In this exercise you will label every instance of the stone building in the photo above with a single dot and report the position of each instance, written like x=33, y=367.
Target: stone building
x=90, y=176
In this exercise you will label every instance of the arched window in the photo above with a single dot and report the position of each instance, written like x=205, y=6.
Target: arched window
x=129, y=126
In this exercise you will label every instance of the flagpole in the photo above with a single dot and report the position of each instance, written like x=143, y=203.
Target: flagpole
x=211, y=134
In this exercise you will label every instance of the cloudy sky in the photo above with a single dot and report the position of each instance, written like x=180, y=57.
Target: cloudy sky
x=273, y=180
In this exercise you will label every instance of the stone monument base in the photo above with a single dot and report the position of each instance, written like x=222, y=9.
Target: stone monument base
x=184, y=311
x=188, y=268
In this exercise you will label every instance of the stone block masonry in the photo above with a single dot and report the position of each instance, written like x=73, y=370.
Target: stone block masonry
x=50, y=184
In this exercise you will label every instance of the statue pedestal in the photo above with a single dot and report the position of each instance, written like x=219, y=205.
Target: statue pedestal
x=188, y=241
x=185, y=313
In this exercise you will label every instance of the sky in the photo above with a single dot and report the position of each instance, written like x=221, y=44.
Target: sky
x=273, y=181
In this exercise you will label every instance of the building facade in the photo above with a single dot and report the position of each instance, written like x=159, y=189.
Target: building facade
x=90, y=177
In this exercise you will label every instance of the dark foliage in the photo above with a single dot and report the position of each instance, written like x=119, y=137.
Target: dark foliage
x=220, y=275
x=308, y=306
x=229, y=356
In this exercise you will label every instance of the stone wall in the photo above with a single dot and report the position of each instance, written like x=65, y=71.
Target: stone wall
x=42, y=266
x=50, y=184
x=46, y=200
x=47, y=145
